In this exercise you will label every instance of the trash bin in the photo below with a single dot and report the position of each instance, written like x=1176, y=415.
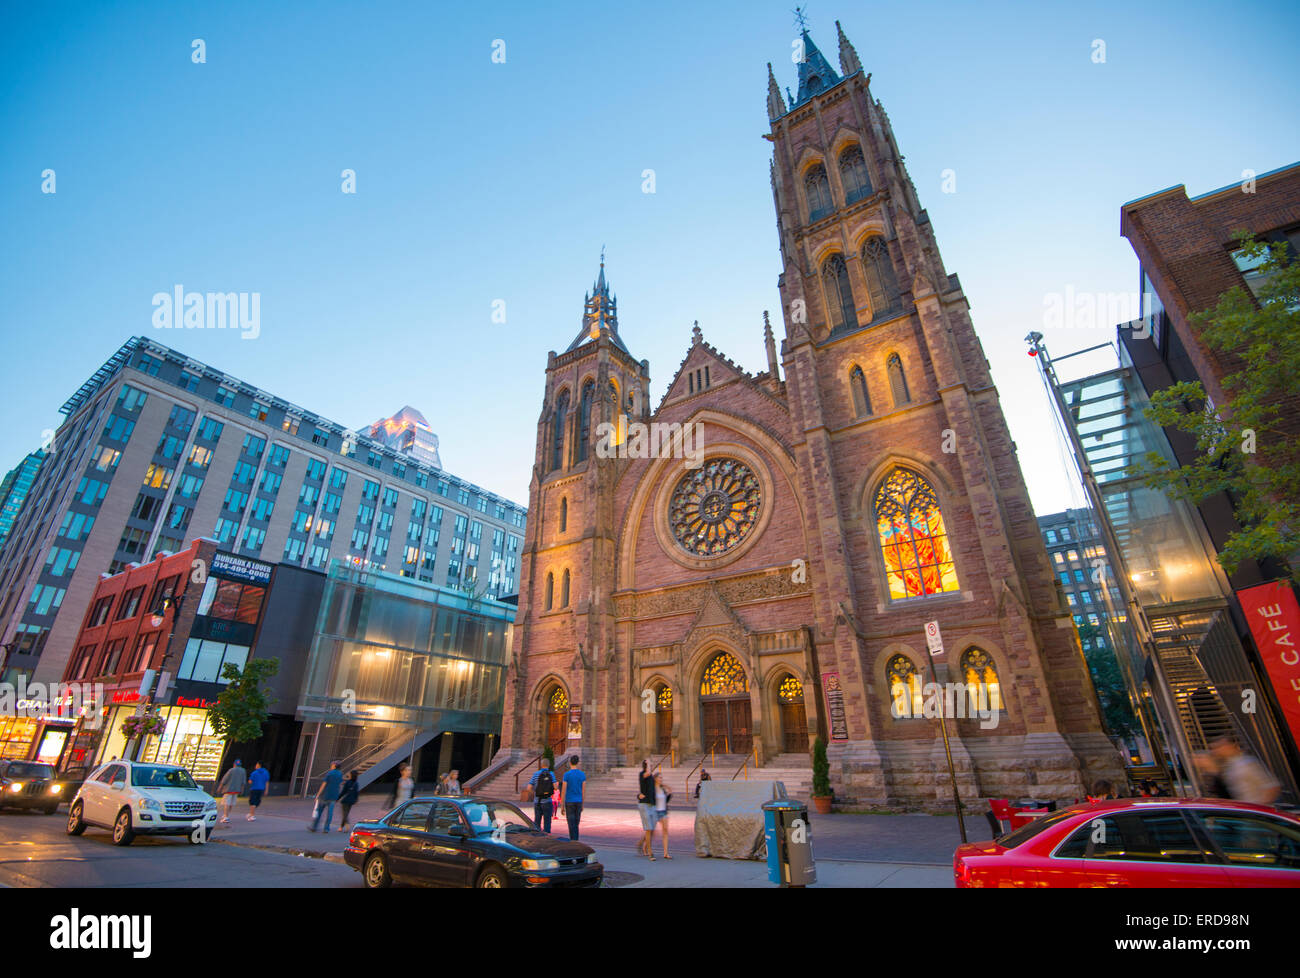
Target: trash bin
x=789, y=843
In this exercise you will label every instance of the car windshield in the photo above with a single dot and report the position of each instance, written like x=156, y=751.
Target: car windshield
x=486, y=816
x=1020, y=836
x=155, y=776
x=22, y=769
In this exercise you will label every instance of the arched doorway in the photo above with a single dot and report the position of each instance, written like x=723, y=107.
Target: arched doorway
x=724, y=706
x=664, y=719
x=794, y=720
x=557, y=716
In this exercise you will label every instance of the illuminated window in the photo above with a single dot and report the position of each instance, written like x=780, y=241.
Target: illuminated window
x=981, y=678
x=913, y=539
x=725, y=676
x=790, y=691
x=664, y=701
x=904, y=688
x=559, y=701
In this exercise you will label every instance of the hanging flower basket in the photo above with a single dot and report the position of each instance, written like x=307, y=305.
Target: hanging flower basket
x=136, y=726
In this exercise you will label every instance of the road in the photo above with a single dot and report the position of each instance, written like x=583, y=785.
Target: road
x=35, y=850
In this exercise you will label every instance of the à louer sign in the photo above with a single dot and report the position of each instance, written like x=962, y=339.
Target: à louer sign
x=1274, y=619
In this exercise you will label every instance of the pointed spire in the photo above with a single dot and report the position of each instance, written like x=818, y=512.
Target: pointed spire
x=815, y=72
x=775, y=104
x=770, y=342
x=849, y=62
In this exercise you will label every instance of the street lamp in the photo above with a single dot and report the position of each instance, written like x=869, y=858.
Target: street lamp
x=174, y=604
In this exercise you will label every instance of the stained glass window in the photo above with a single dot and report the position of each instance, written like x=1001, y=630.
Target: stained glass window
x=913, y=539
x=715, y=507
x=791, y=690
x=665, y=698
x=559, y=700
x=904, y=688
x=725, y=676
x=981, y=678
x=839, y=295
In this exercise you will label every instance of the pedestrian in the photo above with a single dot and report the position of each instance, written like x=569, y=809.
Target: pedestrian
x=662, y=797
x=231, y=787
x=403, y=787
x=1245, y=777
x=326, y=795
x=441, y=787
x=1103, y=790
x=349, y=794
x=258, y=779
x=543, y=786
x=1212, y=784
x=571, y=795
x=453, y=782
x=704, y=776
x=645, y=803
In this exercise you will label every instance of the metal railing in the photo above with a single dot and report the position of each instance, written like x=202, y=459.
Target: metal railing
x=670, y=757
x=537, y=760
x=744, y=768
x=710, y=752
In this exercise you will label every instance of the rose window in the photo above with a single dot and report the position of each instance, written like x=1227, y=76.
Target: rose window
x=715, y=507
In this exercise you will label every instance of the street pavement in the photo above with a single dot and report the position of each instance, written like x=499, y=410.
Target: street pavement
x=851, y=851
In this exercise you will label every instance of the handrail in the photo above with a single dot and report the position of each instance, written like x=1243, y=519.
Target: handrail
x=709, y=751
x=346, y=763
x=670, y=757
x=537, y=760
x=745, y=766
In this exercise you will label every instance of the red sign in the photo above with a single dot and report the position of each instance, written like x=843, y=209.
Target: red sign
x=124, y=696
x=1274, y=621
x=198, y=701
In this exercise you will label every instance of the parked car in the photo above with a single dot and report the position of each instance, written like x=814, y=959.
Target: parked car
x=1141, y=842
x=131, y=798
x=29, y=784
x=466, y=841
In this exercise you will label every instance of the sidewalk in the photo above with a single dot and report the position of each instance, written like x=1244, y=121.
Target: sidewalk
x=851, y=850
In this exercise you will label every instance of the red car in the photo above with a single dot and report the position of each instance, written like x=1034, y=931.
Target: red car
x=1146, y=842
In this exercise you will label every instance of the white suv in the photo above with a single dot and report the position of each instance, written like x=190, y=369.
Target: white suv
x=132, y=799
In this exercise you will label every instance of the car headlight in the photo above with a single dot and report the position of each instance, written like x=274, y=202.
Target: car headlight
x=150, y=805
x=540, y=864
x=591, y=858
x=16, y=787
x=210, y=806
x=56, y=789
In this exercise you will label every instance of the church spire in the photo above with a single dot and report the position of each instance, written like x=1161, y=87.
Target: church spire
x=599, y=312
x=775, y=104
x=815, y=72
x=849, y=62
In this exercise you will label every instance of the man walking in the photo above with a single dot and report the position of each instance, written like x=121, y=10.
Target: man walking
x=327, y=794
x=571, y=795
x=258, y=779
x=543, y=784
x=1245, y=777
x=230, y=788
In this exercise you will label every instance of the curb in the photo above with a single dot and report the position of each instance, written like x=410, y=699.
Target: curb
x=332, y=857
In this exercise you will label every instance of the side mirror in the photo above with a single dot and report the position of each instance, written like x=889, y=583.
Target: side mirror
x=458, y=832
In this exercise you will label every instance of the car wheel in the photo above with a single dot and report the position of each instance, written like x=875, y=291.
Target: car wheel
x=75, y=823
x=375, y=872
x=123, y=835
x=492, y=878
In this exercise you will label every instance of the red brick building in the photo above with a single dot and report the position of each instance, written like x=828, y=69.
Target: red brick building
x=771, y=579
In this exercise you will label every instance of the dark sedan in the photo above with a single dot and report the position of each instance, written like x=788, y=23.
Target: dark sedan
x=466, y=841
x=29, y=784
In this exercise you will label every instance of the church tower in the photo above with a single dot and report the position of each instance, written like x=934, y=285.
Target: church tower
x=924, y=515
x=594, y=388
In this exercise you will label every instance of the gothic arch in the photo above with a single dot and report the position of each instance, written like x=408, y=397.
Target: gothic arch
x=932, y=556
x=927, y=466
x=1008, y=687
x=653, y=479
x=540, y=703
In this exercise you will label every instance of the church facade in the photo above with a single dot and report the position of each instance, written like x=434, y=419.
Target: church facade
x=752, y=562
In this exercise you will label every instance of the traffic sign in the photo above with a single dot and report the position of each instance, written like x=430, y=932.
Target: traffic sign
x=932, y=637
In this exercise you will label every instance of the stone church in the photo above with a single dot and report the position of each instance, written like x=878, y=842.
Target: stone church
x=772, y=582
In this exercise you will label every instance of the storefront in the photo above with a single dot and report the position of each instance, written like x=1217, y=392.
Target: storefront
x=16, y=737
x=188, y=740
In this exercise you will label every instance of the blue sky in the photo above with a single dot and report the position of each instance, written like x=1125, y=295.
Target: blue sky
x=479, y=181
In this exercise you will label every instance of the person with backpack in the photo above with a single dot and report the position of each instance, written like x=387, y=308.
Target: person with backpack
x=543, y=785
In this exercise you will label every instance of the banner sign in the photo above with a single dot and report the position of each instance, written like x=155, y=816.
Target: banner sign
x=839, y=724
x=1274, y=619
x=234, y=568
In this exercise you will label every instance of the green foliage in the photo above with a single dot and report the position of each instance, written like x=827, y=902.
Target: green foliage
x=1242, y=448
x=241, y=709
x=548, y=755
x=1108, y=681
x=821, y=786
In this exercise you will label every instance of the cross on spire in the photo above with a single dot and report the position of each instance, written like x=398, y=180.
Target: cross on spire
x=801, y=19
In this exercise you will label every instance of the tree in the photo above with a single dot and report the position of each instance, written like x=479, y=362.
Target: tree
x=1107, y=680
x=1242, y=446
x=241, y=709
